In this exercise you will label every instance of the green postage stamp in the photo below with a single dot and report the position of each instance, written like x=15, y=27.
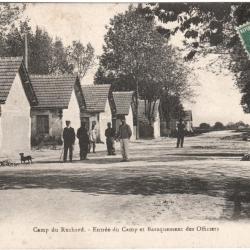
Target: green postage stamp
x=244, y=33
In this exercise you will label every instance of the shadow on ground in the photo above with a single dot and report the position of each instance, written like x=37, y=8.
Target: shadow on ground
x=235, y=191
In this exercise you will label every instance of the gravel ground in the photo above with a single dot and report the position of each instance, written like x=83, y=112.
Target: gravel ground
x=204, y=182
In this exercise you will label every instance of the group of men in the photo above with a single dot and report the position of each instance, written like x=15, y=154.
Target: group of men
x=88, y=138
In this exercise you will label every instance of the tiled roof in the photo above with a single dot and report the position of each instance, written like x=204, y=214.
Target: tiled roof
x=53, y=91
x=95, y=97
x=122, y=102
x=9, y=67
x=141, y=110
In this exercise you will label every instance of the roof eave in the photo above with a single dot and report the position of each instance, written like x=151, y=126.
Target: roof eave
x=94, y=111
x=121, y=113
x=48, y=107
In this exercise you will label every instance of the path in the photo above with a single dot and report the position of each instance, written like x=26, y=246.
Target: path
x=205, y=181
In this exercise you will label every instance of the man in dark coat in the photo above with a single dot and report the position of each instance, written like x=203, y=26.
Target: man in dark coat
x=69, y=140
x=180, y=133
x=82, y=135
x=110, y=139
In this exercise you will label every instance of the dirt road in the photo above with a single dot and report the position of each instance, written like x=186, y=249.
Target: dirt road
x=204, y=181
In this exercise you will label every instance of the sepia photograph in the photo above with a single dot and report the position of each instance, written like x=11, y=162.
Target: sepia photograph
x=124, y=125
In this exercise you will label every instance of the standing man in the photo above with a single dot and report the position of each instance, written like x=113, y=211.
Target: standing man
x=180, y=133
x=124, y=135
x=82, y=135
x=92, y=138
x=69, y=140
x=110, y=138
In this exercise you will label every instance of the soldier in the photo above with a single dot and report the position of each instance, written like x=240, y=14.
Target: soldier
x=69, y=140
x=180, y=133
x=82, y=135
x=124, y=135
x=110, y=138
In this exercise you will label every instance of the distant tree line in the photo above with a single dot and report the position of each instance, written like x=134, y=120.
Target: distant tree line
x=45, y=54
x=221, y=126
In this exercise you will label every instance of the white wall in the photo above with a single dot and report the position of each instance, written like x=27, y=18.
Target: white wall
x=15, y=121
x=104, y=118
x=129, y=121
x=157, y=127
x=1, y=135
x=189, y=126
x=72, y=113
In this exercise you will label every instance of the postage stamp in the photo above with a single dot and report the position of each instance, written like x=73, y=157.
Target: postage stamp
x=244, y=34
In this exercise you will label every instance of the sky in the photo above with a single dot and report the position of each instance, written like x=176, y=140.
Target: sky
x=217, y=99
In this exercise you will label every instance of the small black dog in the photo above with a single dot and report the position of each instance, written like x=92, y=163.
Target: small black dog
x=25, y=158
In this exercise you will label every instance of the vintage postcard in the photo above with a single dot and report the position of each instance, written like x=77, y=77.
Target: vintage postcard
x=124, y=125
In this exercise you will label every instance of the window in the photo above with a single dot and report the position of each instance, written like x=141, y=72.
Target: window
x=42, y=123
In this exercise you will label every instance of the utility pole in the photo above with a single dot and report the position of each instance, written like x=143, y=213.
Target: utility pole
x=26, y=51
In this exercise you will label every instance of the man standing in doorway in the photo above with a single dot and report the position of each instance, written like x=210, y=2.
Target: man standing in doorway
x=110, y=137
x=180, y=133
x=124, y=135
x=92, y=137
x=69, y=140
x=82, y=135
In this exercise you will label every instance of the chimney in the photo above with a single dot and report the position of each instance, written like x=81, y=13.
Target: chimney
x=26, y=51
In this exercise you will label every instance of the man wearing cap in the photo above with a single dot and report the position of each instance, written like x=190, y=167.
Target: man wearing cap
x=69, y=140
x=124, y=135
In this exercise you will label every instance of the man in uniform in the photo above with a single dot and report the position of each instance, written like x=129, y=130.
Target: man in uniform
x=82, y=135
x=69, y=140
x=110, y=137
x=180, y=133
x=124, y=135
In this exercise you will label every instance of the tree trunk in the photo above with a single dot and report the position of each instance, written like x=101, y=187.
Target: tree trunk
x=137, y=110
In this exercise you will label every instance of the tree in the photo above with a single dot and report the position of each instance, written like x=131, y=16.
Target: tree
x=218, y=126
x=209, y=28
x=44, y=55
x=204, y=126
x=171, y=107
x=60, y=64
x=231, y=125
x=40, y=49
x=136, y=57
x=82, y=58
x=14, y=43
x=9, y=13
x=204, y=26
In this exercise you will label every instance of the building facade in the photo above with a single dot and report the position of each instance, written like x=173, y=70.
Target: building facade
x=149, y=129
x=97, y=110
x=16, y=98
x=122, y=103
x=60, y=99
x=170, y=128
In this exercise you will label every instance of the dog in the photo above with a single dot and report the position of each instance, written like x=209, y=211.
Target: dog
x=25, y=158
